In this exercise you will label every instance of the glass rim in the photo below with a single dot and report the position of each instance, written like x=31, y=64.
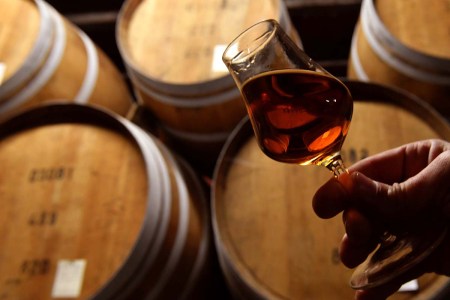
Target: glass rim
x=234, y=54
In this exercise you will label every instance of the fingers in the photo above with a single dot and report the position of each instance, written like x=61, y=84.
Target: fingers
x=360, y=238
x=351, y=255
x=431, y=185
x=427, y=190
x=398, y=164
x=397, y=182
x=331, y=198
x=357, y=226
x=354, y=189
x=399, y=185
x=385, y=167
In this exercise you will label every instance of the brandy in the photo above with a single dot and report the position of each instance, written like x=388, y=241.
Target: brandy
x=299, y=116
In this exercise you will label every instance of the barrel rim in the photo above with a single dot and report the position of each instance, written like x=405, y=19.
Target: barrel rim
x=180, y=167
x=373, y=26
x=368, y=92
x=44, y=67
x=198, y=99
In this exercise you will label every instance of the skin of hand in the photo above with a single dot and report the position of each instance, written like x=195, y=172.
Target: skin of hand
x=403, y=187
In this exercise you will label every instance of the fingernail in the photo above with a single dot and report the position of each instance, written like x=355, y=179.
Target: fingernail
x=346, y=181
x=330, y=199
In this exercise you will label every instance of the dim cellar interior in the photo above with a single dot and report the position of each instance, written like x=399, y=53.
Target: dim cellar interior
x=131, y=169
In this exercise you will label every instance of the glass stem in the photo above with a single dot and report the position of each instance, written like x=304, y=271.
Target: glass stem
x=337, y=166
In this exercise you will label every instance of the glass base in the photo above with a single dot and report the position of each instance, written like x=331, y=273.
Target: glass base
x=396, y=255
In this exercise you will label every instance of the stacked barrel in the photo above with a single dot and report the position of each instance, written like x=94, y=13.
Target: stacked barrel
x=173, y=55
x=405, y=44
x=45, y=57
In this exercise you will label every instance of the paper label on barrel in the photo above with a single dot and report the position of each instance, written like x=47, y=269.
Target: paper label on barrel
x=410, y=286
x=217, y=64
x=69, y=278
x=2, y=71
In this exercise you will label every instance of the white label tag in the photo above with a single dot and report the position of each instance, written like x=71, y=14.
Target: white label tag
x=217, y=63
x=69, y=278
x=2, y=71
x=410, y=286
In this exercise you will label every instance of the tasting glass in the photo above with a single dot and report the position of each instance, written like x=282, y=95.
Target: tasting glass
x=301, y=114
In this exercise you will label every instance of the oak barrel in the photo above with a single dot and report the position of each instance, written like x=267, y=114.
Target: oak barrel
x=93, y=207
x=270, y=243
x=405, y=43
x=43, y=56
x=173, y=53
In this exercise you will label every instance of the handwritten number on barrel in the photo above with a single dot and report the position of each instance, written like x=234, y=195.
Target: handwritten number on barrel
x=201, y=30
x=32, y=267
x=194, y=52
x=364, y=153
x=335, y=258
x=43, y=218
x=49, y=174
x=353, y=155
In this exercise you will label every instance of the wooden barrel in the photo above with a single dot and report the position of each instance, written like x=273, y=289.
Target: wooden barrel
x=95, y=208
x=45, y=57
x=405, y=44
x=173, y=53
x=270, y=243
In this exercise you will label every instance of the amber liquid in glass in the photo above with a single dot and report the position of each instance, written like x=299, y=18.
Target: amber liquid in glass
x=298, y=116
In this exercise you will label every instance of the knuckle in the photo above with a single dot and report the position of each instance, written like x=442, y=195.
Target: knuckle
x=398, y=201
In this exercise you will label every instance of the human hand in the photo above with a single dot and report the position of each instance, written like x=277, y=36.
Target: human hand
x=399, y=186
